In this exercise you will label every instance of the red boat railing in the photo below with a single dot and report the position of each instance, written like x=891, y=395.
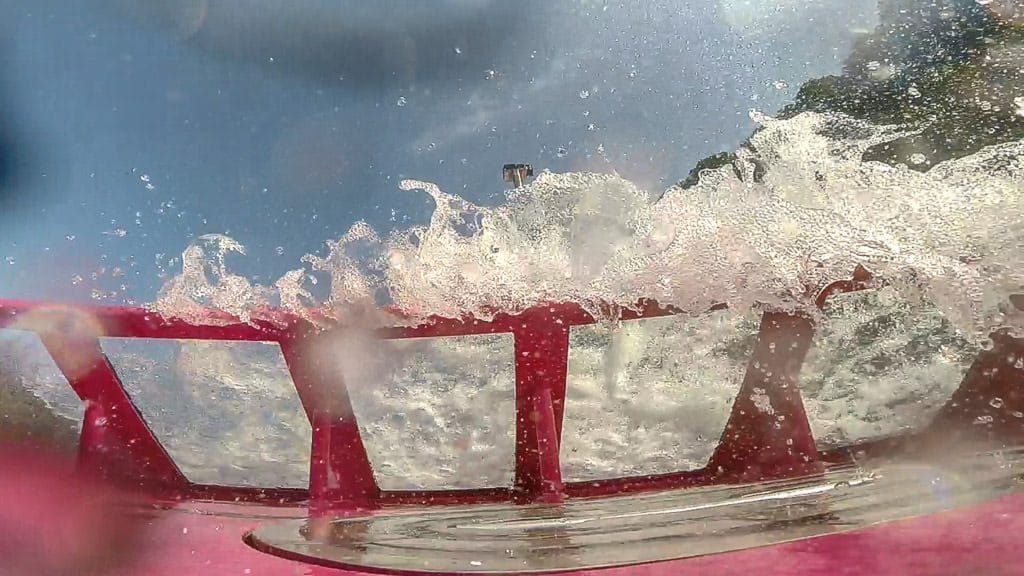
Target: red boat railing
x=754, y=445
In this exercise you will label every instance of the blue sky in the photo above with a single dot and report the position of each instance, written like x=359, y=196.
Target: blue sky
x=134, y=130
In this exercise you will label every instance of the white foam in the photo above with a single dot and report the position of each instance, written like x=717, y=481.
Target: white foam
x=950, y=235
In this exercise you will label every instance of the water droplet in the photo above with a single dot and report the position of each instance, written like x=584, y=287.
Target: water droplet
x=873, y=65
x=914, y=92
x=996, y=402
x=490, y=74
x=279, y=250
x=10, y=260
x=69, y=237
x=76, y=279
x=584, y=94
x=457, y=50
x=402, y=101
x=780, y=84
x=591, y=127
x=475, y=563
x=918, y=158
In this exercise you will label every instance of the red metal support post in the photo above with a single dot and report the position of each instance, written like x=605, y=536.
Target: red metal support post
x=768, y=435
x=988, y=406
x=341, y=476
x=115, y=441
x=542, y=356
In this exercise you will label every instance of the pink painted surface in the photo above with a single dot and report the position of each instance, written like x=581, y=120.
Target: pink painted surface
x=54, y=519
x=982, y=541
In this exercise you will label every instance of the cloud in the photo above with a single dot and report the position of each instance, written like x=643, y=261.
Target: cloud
x=370, y=43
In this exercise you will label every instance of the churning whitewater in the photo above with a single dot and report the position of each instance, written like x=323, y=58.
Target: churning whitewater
x=799, y=209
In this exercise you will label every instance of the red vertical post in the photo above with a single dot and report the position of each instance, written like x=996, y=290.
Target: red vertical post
x=115, y=439
x=341, y=476
x=988, y=407
x=542, y=357
x=768, y=435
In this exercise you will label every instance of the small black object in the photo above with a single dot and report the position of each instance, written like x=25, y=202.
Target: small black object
x=516, y=173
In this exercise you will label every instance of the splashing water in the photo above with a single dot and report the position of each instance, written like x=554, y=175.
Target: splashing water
x=799, y=209
x=950, y=235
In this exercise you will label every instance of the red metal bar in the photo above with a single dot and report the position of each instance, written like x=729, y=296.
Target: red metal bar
x=116, y=440
x=542, y=356
x=647, y=483
x=768, y=435
x=549, y=465
x=985, y=412
x=446, y=497
x=341, y=476
x=861, y=280
x=122, y=322
x=988, y=407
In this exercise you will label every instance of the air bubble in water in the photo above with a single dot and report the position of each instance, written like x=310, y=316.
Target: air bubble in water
x=996, y=402
x=401, y=101
x=584, y=94
x=10, y=260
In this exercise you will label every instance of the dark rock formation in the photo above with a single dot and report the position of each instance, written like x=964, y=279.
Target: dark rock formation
x=951, y=69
